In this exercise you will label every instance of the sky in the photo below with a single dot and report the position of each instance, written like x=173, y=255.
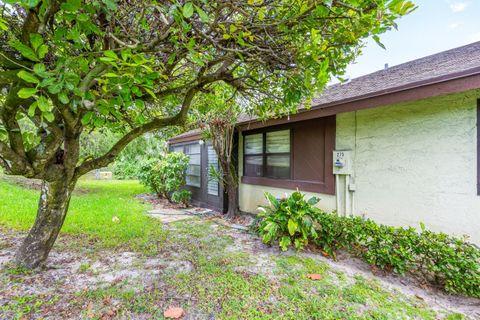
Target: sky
x=435, y=26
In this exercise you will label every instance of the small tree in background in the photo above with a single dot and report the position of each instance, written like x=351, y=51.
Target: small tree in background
x=67, y=67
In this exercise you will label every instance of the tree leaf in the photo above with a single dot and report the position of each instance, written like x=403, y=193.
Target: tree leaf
x=26, y=93
x=110, y=75
x=26, y=51
x=42, y=51
x=111, y=4
x=87, y=118
x=28, y=77
x=40, y=70
x=71, y=5
x=111, y=54
x=32, y=108
x=43, y=104
x=48, y=116
x=36, y=40
x=202, y=14
x=30, y=3
x=63, y=97
x=187, y=10
x=377, y=40
x=3, y=25
x=55, y=88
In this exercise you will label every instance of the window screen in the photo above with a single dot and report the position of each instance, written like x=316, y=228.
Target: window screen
x=268, y=155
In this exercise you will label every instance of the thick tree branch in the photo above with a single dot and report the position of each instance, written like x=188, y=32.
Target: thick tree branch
x=155, y=124
x=90, y=77
x=13, y=163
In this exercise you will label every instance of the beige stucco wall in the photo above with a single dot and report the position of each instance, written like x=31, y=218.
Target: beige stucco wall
x=413, y=162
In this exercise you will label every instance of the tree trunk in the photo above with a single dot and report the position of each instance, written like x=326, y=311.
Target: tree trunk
x=232, y=202
x=52, y=209
x=230, y=184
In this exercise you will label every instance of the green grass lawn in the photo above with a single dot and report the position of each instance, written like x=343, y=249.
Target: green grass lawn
x=90, y=215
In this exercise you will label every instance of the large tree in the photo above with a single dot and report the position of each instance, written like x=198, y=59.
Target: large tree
x=136, y=66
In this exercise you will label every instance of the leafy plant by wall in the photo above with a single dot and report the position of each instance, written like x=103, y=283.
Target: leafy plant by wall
x=289, y=221
x=182, y=197
x=443, y=260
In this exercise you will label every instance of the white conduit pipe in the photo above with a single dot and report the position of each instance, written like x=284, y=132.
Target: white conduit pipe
x=347, y=195
x=337, y=192
x=353, y=203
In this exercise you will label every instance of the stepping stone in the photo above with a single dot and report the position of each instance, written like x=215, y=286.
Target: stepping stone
x=169, y=215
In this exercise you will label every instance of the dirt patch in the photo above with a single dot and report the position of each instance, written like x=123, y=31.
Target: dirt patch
x=158, y=203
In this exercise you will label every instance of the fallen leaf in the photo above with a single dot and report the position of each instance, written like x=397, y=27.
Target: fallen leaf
x=173, y=313
x=314, y=276
x=108, y=315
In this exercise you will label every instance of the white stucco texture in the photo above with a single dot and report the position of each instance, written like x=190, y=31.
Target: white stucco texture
x=414, y=162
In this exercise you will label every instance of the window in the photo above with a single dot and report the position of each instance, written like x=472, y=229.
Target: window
x=193, y=171
x=291, y=155
x=268, y=155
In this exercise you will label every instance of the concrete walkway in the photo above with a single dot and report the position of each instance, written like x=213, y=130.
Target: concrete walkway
x=170, y=215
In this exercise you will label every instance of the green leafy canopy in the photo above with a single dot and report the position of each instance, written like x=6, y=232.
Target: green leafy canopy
x=137, y=66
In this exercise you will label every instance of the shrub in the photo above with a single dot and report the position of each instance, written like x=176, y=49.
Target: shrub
x=289, y=221
x=441, y=259
x=182, y=197
x=147, y=176
x=166, y=175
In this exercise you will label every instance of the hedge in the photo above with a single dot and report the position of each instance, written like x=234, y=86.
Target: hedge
x=443, y=260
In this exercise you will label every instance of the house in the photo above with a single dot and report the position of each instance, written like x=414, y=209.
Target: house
x=399, y=146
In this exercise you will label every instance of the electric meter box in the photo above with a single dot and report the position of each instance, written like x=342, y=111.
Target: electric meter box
x=342, y=162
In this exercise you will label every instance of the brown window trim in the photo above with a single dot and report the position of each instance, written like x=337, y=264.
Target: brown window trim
x=325, y=187
x=308, y=186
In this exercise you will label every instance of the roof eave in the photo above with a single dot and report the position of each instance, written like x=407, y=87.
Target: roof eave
x=447, y=84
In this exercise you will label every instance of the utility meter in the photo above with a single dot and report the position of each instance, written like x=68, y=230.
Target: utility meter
x=342, y=162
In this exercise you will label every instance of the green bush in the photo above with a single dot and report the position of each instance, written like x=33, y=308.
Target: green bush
x=166, y=175
x=289, y=221
x=441, y=259
x=182, y=197
x=147, y=176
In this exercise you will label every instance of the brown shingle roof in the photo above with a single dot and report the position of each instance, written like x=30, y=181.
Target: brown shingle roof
x=430, y=68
